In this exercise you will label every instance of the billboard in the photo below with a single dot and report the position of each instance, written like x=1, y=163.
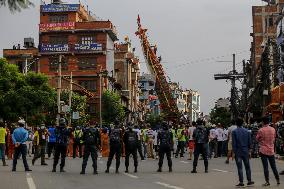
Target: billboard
x=60, y=8
x=54, y=48
x=89, y=47
x=56, y=26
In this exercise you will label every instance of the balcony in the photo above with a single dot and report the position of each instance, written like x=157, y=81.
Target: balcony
x=94, y=48
x=99, y=26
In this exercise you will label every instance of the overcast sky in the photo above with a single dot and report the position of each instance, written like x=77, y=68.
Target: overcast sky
x=191, y=35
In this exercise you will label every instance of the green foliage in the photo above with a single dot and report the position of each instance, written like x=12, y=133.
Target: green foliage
x=220, y=115
x=154, y=119
x=79, y=104
x=112, y=108
x=24, y=96
x=16, y=5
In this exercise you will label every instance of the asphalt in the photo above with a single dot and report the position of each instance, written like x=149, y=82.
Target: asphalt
x=221, y=176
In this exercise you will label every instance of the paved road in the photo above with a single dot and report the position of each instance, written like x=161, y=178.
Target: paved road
x=221, y=176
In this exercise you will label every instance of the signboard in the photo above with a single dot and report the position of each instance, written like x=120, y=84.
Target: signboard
x=56, y=26
x=88, y=47
x=54, y=48
x=75, y=115
x=60, y=8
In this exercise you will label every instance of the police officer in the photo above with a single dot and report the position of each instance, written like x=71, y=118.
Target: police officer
x=62, y=135
x=130, y=140
x=115, y=143
x=165, y=141
x=91, y=140
x=41, y=136
x=201, y=138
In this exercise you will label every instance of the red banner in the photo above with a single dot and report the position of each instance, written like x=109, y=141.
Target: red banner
x=56, y=26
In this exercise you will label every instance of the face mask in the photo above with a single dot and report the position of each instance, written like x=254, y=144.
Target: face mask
x=42, y=127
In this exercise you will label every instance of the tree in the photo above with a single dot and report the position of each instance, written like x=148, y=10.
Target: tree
x=24, y=96
x=154, y=119
x=16, y=5
x=220, y=115
x=79, y=104
x=112, y=108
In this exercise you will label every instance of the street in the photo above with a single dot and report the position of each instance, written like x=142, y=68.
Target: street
x=220, y=176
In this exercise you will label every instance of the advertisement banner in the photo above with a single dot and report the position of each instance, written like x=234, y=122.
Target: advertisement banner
x=56, y=26
x=60, y=8
x=54, y=48
x=89, y=47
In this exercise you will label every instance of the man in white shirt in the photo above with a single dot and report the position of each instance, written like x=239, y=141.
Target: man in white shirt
x=139, y=145
x=191, y=143
x=150, y=142
x=213, y=142
x=230, y=148
x=219, y=133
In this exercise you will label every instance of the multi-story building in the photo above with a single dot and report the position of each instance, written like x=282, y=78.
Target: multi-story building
x=194, y=105
x=127, y=71
x=262, y=71
x=85, y=46
x=188, y=101
x=25, y=58
x=148, y=97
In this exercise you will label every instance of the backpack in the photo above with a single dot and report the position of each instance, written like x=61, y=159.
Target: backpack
x=62, y=136
x=165, y=138
x=132, y=139
x=115, y=136
x=200, y=136
x=90, y=137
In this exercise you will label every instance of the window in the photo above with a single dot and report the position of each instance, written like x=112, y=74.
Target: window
x=58, y=18
x=53, y=64
x=87, y=63
x=151, y=83
x=270, y=21
x=87, y=40
x=55, y=40
x=88, y=84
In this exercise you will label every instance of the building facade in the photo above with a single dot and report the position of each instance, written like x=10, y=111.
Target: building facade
x=149, y=101
x=26, y=57
x=83, y=45
x=126, y=74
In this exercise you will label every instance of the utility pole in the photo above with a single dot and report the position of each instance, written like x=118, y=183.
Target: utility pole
x=245, y=92
x=59, y=89
x=233, y=76
x=101, y=88
x=70, y=98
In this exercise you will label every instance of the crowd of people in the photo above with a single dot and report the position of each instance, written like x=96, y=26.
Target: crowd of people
x=165, y=139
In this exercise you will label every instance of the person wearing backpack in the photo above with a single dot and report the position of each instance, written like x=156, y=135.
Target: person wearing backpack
x=165, y=141
x=130, y=140
x=201, y=138
x=115, y=141
x=62, y=135
x=91, y=141
x=78, y=133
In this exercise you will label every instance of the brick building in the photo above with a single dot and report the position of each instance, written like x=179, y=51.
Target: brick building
x=264, y=28
x=87, y=46
x=127, y=71
x=25, y=58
